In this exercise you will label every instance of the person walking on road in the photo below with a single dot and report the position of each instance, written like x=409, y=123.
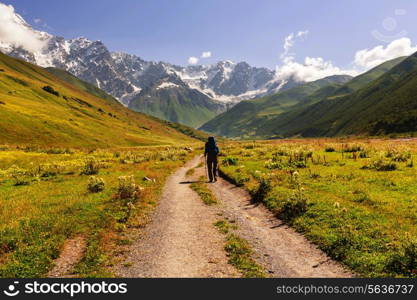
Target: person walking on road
x=210, y=153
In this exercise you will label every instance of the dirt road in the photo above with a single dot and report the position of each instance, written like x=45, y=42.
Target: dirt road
x=181, y=240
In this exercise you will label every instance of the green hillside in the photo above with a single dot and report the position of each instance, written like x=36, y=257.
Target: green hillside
x=386, y=105
x=80, y=84
x=291, y=112
x=244, y=117
x=362, y=80
x=176, y=103
x=37, y=108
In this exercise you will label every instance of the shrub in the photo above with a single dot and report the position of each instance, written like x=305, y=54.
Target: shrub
x=276, y=163
x=270, y=164
x=281, y=152
x=299, y=164
x=240, y=179
x=230, y=161
x=300, y=156
x=91, y=166
x=352, y=148
x=293, y=207
x=263, y=189
x=329, y=149
x=342, y=243
x=18, y=175
x=381, y=165
x=296, y=204
x=362, y=197
x=50, y=90
x=128, y=190
x=401, y=157
x=95, y=184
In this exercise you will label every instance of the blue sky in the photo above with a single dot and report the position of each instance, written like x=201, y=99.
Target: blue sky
x=249, y=30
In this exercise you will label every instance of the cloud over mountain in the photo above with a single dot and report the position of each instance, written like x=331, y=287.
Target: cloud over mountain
x=313, y=68
x=15, y=31
x=369, y=58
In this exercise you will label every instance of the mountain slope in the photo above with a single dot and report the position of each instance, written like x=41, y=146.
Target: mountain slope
x=244, y=117
x=170, y=99
x=362, y=80
x=80, y=84
x=37, y=108
x=386, y=105
x=271, y=116
x=125, y=76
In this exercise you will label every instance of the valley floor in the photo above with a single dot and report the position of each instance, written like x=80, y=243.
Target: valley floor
x=297, y=208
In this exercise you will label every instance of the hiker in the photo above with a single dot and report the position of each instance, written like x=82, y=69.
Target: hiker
x=211, y=151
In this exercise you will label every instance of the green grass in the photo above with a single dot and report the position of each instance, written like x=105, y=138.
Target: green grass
x=203, y=191
x=224, y=226
x=55, y=205
x=378, y=102
x=82, y=85
x=179, y=105
x=50, y=127
x=362, y=216
x=77, y=117
x=239, y=252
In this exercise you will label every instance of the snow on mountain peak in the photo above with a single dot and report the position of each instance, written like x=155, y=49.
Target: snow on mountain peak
x=125, y=75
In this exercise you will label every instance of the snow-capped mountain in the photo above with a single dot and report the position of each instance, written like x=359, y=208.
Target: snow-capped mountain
x=231, y=82
x=124, y=76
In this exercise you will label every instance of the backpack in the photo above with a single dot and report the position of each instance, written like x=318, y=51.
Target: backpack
x=212, y=148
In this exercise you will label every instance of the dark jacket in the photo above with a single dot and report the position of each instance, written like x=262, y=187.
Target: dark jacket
x=211, y=150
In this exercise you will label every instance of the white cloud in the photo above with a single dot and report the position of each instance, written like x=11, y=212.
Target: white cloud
x=313, y=68
x=193, y=60
x=289, y=42
x=369, y=58
x=206, y=54
x=15, y=31
x=37, y=21
x=302, y=33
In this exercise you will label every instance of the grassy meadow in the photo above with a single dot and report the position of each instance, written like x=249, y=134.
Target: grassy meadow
x=48, y=196
x=37, y=108
x=355, y=199
x=50, y=192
